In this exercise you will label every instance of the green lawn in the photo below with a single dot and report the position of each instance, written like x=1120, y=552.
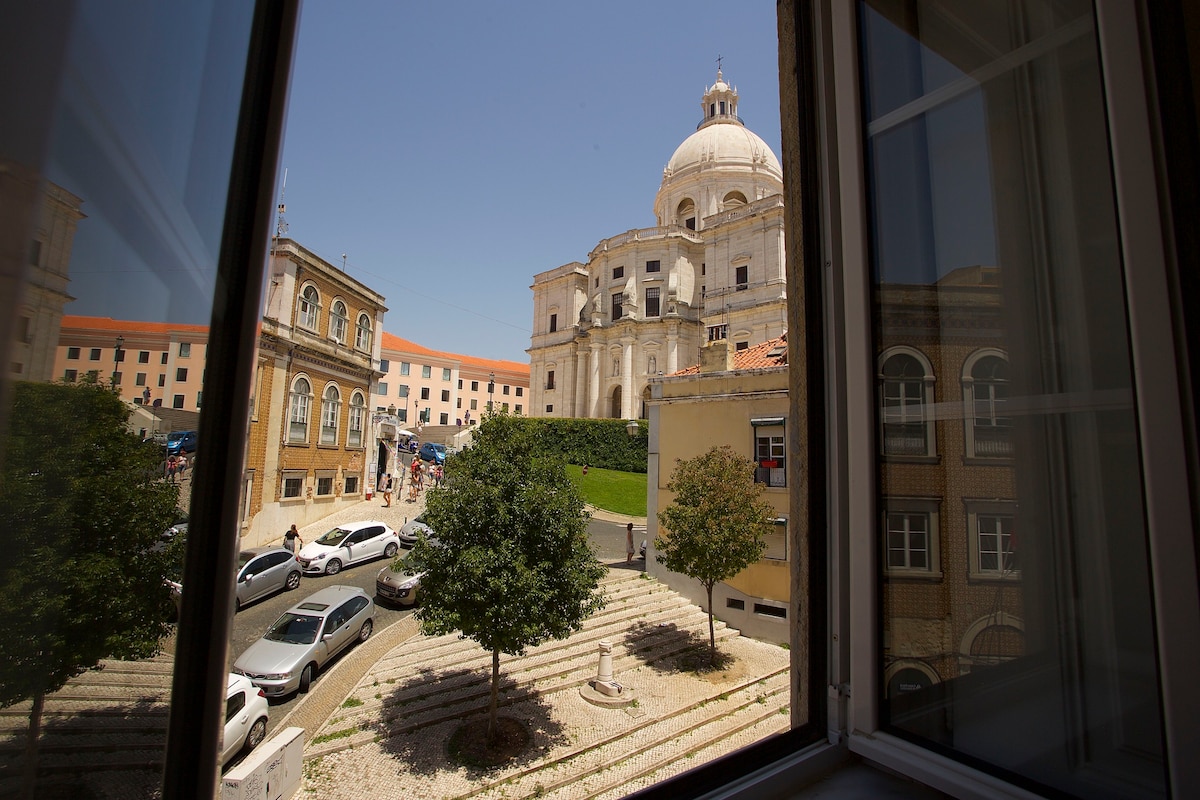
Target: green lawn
x=620, y=492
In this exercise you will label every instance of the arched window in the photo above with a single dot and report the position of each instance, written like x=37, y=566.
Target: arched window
x=988, y=427
x=685, y=214
x=299, y=406
x=362, y=338
x=905, y=387
x=339, y=322
x=331, y=406
x=309, y=308
x=733, y=200
x=354, y=436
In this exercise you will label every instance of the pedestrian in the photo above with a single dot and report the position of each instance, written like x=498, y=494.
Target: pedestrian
x=629, y=543
x=182, y=465
x=291, y=539
x=585, y=469
x=387, y=491
x=172, y=468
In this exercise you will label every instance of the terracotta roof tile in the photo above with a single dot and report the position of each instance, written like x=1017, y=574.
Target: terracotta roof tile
x=755, y=357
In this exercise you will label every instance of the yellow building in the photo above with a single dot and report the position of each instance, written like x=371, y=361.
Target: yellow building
x=737, y=398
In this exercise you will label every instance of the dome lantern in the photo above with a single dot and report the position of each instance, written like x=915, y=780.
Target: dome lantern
x=719, y=103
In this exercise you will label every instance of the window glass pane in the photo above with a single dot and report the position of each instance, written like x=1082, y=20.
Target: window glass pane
x=990, y=201
x=139, y=138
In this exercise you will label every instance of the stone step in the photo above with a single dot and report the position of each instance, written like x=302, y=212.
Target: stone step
x=555, y=666
x=650, y=748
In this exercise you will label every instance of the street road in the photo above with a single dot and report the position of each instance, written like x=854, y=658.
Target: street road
x=249, y=624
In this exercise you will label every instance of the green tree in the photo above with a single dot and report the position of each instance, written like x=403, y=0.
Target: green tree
x=81, y=510
x=716, y=523
x=512, y=566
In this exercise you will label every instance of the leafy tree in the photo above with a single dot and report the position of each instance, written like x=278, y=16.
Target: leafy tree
x=512, y=566
x=81, y=512
x=716, y=523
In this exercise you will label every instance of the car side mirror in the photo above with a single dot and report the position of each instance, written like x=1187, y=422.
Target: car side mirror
x=327, y=637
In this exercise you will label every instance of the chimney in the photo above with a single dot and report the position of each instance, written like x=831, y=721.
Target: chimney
x=716, y=357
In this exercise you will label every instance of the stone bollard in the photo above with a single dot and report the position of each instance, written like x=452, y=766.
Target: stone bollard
x=605, y=674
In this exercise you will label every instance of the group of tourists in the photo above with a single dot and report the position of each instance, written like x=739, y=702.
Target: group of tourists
x=175, y=467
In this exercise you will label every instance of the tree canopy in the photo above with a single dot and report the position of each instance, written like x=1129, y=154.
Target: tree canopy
x=716, y=523
x=81, y=510
x=512, y=566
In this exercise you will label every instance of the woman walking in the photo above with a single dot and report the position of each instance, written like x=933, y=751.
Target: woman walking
x=291, y=539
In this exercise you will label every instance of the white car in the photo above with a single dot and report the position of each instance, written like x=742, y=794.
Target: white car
x=348, y=544
x=245, y=717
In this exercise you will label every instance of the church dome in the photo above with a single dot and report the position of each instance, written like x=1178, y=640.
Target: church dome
x=723, y=163
x=728, y=143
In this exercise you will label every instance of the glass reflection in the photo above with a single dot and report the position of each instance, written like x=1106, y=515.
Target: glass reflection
x=1017, y=618
x=108, y=359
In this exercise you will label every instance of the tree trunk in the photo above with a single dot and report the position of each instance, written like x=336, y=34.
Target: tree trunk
x=491, y=731
x=712, y=637
x=31, y=746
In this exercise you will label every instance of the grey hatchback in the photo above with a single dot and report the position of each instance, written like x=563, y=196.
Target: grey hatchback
x=265, y=570
x=309, y=634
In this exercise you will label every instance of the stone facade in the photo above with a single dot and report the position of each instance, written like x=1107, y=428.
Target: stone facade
x=311, y=434
x=713, y=268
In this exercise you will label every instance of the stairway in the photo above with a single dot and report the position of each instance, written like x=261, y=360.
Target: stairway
x=391, y=730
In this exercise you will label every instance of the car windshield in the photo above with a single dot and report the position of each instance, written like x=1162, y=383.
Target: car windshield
x=174, y=437
x=334, y=537
x=294, y=629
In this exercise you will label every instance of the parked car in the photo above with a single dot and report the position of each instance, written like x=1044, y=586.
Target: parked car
x=303, y=640
x=246, y=714
x=181, y=442
x=265, y=570
x=398, y=583
x=432, y=452
x=348, y=544
x=413, y=529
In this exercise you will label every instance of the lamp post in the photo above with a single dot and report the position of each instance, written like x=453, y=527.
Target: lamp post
x=632, y=428
x=117, y=360
x=491, y=388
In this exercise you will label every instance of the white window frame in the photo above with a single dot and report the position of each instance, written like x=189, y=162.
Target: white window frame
x=354, y=423
x=339, y=321
x=362, y=333
x=983, y=514
x=999, y=435
x=299, y=410
x=308, y=307
x=299, y=478
x=918, y=413
x=331, y=407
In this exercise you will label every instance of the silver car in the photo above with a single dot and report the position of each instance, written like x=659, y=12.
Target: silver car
x=414, y=528
x=265, y=570
x=299, y=644
x=397, y=583
x=246, y=715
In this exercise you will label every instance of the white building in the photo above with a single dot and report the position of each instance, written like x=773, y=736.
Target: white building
x=712, y=268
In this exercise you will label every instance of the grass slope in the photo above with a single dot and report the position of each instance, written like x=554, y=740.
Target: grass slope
x=619, y=492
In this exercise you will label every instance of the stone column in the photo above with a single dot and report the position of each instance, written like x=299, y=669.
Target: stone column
x=627, y=377
x=672, y=348
x=579, y=402
x=594, y=385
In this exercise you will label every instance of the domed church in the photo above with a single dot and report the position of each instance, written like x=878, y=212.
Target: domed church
x=710, y=274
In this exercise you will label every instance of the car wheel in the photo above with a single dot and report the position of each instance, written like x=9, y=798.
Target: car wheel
x=306, y=679
x=293, y=580
x=364, y=632
x=258, y=732
x=390, y=550
x=333, y=567
x=237, y=605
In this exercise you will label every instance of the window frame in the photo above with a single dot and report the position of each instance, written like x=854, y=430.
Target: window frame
x=363, y=333
x=299, y=411
x=308, y=307
x=331, y=408
x=354, y=420
x=339, y=322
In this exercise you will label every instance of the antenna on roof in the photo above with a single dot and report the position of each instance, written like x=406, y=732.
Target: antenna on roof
x=281, y=226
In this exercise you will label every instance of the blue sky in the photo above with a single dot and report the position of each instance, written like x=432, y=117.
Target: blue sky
x=453, y=150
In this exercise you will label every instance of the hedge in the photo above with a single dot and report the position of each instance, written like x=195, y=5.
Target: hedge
x=602, y=443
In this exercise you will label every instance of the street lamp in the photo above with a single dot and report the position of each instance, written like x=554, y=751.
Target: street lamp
x=632, y=428
x=117, y=360
x=491, y=388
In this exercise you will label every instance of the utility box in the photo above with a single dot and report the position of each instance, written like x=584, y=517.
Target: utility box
x=271, y=772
